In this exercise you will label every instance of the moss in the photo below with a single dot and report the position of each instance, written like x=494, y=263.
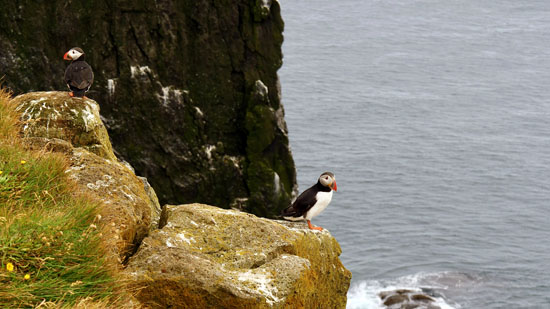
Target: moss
x=261, y=124
x=56, y=115
x=229, y=257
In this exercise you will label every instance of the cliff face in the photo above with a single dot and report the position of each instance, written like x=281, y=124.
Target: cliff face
x=188, y=89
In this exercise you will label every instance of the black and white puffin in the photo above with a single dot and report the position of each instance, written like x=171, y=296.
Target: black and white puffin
x=312, y=201
x=78, y=75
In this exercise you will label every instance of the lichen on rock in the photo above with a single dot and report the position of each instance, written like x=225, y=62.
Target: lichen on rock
x=126, y=209
x=206, y=257
x=53, y=121
x=55, y=114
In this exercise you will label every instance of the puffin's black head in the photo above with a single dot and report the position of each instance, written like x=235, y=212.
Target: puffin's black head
x=327, y=179
x=74, y=53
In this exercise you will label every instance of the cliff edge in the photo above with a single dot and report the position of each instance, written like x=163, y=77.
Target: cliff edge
x=188, y=256
x=206, y=257
x=53, y=121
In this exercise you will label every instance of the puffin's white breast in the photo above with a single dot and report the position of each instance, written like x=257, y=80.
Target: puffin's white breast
x=323, y=199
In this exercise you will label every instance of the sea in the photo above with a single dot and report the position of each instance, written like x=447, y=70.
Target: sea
x=434, y=115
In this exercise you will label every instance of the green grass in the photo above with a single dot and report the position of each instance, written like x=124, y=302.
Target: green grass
x=46, y=230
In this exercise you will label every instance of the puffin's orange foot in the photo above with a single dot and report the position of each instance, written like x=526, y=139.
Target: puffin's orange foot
x=311, y=227
x=71, y=94
x=85, y=97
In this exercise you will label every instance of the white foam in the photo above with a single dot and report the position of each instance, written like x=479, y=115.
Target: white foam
x=364, y=295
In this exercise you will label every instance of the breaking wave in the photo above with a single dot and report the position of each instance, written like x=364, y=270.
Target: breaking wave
x=364, y=295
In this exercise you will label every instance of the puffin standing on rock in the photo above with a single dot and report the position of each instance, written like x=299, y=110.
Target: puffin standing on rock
x=78, y=75
x=312, y=201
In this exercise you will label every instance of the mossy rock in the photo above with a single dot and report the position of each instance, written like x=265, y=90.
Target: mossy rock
x=206, y=257
x=125, y=207
x=128, y=207
x=55, y=114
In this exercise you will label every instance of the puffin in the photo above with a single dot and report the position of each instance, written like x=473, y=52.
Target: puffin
x=312, y=201
x=78, y=75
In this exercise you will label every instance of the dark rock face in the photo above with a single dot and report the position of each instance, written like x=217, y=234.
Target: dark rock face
x=188, y=89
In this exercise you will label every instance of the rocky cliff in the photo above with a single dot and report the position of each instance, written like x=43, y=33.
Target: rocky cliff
x=188, y=256
x=188, y=89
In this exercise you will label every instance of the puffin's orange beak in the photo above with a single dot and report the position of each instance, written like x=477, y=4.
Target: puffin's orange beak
x=334, y=186
x=67, y=57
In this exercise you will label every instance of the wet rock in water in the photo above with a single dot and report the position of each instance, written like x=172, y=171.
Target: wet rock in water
x=422, y=298
x=407, y=299
x=206, y=257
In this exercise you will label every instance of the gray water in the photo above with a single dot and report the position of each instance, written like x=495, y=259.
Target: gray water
x=435, y=118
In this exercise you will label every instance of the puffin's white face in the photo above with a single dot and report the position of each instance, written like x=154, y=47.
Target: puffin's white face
x=72, y=54
x=327, y=179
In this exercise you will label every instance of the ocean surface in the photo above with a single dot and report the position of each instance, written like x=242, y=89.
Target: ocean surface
x=435, y=117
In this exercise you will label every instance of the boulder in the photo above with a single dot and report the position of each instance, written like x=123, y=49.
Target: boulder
x=207, y=257
x=408, y=299
x=53, y=121
x=126, y=210
x=55, y=114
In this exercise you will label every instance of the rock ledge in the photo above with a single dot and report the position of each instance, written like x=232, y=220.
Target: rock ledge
x=207, y=257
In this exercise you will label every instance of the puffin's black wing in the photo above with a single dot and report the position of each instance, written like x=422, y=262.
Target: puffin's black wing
x=79, y=74
x=302, y=204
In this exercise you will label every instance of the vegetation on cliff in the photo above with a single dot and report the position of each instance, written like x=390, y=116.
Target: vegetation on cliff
x=49, y=245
